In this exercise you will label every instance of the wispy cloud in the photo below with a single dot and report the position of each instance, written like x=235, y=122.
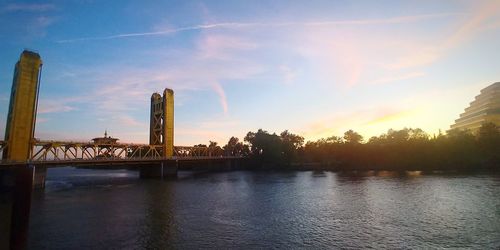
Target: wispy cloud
x=118, y=98
x=28, y=7
x=162, y=32
x=236, y=25
x=130, y=121
x=4, y=98
x=53, y=106
x=396, y=78
x=219, y=123
x=222, y=96
x=431, y=110
x=289, y=74
x=222, y=46
x=472, y=25
x=388, y=115
x=41, y=120
x=38, y=25
x=424, y=55
x=368, y=122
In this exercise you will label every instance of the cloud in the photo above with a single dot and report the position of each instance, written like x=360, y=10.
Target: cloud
x=222, y=96
x=397, y=78
x=388, y=115
x=425, y=55
x=41, y=120
x=39, y=25
x=130, y=121
x=192, y=136
x=368, y=122
x=219, y=123
x=229, y=53
x=54, y=106
x=26, y=7
x=238, y=25
x=289, y=74
x=4, y=98
x=44, y=21
x=223, y=46
x=161, y=32
x=203, y=67
x=470, y=27
x=431, y=110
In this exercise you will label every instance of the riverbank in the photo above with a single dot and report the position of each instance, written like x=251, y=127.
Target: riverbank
x=336, y=167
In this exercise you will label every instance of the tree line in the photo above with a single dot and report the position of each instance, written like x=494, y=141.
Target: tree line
x=405, y=149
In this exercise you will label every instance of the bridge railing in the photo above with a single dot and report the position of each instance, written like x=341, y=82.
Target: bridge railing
x=56, y=151
x=50, y=151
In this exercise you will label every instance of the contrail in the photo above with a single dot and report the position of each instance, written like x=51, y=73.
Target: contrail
x=162, y=32
x=393, y=20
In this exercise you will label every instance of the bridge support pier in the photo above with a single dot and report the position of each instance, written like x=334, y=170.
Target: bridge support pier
x=15, y=203
x=39, y=175
x=165, y=169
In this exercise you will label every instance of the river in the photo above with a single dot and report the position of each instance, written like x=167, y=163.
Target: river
x=114, y=209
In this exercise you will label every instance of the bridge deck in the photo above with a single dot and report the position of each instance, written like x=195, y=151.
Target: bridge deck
x=60, y=153
x=113, y=162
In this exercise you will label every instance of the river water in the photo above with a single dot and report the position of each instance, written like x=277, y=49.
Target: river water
x=114, y=209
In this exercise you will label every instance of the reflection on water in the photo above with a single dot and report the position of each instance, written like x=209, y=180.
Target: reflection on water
x=115, y=209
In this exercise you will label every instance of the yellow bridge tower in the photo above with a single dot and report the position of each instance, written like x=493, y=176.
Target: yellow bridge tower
x=19, y=133
x=161, y=131
x=20, y=129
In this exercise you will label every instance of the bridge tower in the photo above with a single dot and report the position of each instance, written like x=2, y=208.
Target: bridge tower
x=161, y=130
x=20, y=129
x=16, y=183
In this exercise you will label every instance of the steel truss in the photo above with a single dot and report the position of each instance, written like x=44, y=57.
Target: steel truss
x=64, y=151
x=3, y=145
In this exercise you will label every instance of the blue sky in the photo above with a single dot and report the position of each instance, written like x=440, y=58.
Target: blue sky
x=317, y=68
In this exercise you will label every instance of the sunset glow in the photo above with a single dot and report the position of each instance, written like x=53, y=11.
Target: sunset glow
x=316, y=68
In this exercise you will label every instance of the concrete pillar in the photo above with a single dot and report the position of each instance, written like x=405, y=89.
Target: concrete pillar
x=15, y=203
x=165, y=169
x=39, y=176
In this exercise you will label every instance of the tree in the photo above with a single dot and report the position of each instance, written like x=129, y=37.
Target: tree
x=488, y=138
x=460, y=149
x=265, y=147
x=352, y=137
x=290, y=145
x=214, y=149
x=212, y=144
x=488, y=135
x=235, y=148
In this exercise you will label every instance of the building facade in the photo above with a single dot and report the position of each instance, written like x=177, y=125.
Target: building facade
x=485, y=108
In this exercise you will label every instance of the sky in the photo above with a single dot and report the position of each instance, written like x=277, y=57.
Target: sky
x=315, y=68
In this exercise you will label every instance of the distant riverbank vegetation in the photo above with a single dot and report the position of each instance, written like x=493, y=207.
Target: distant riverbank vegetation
x=405, y=149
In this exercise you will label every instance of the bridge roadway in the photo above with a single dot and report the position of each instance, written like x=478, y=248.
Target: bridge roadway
x=59, y=153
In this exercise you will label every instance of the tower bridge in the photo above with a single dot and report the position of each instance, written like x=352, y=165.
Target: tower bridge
x=24, y=159
x=21, y=148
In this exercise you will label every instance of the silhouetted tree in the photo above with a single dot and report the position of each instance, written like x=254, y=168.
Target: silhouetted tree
x=405, y=149
x=352, y=137
x=215, y=150
x=265, y=147
x=235, y=148
x=291, y=144
x=489, y=143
